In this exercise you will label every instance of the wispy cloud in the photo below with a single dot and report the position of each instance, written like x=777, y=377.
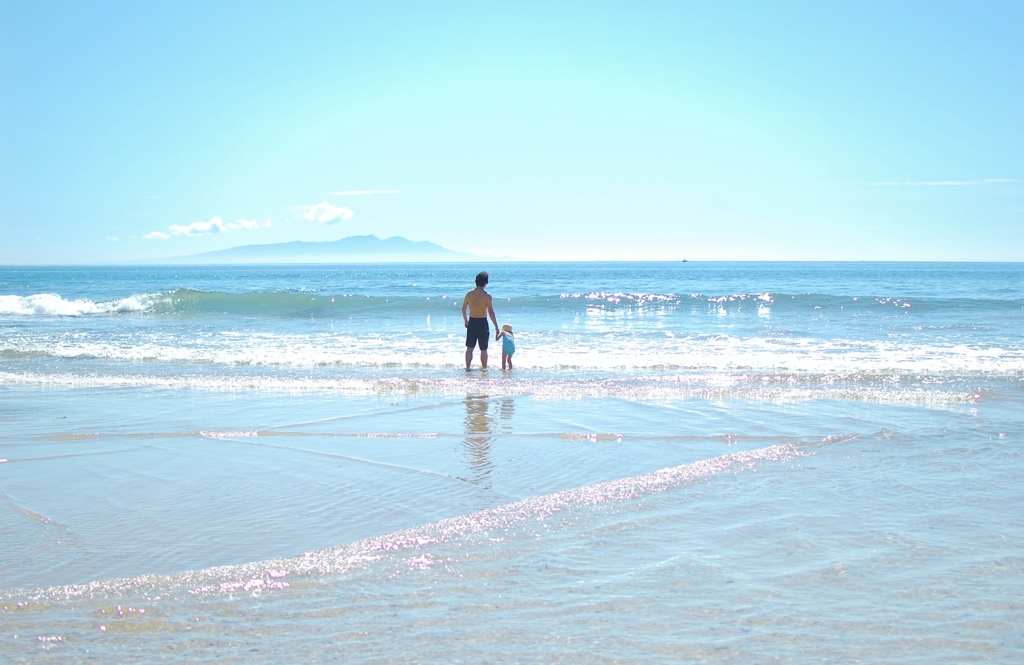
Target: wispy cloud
x=944, y=183
x=365, y=192
x=325, y=213
x=201, y=228
x=113, y=238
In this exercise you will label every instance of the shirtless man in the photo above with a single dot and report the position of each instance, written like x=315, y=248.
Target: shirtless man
x=478, y=302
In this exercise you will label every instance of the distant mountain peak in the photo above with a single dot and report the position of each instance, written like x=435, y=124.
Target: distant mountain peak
x=353, y=249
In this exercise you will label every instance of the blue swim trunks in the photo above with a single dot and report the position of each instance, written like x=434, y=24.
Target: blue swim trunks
x=478, y=332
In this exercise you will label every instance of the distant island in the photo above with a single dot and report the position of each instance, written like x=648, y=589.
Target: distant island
x=354, y=249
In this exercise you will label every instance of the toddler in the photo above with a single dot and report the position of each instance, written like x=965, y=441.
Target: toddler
x=508, y=345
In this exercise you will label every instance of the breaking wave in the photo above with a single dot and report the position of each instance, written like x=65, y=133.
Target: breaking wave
x=291, y=304
x=51, y=304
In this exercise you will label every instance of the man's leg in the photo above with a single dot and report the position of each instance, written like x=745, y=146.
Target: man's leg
x=483, y=358
x=469, y=356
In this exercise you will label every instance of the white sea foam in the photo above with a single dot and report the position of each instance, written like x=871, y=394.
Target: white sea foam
x=560, y=351
x=51, y=304
x=670, y=387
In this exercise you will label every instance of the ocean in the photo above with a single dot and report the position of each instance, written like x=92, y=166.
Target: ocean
x=707, y=462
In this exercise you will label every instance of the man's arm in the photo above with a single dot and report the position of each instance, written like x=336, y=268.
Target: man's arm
x=465, y=304
x=490, y=310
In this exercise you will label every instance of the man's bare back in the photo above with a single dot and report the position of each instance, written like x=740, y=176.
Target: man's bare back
x=479, y=302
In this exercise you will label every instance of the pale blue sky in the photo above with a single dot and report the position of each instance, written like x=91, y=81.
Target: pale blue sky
x=631, y=130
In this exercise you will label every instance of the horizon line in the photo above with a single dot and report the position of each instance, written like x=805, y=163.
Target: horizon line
x=144, y=263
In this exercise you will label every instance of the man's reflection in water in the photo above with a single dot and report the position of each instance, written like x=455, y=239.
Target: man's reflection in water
x=479, y=425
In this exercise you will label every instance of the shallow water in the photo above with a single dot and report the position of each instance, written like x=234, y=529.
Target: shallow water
x=717, y=462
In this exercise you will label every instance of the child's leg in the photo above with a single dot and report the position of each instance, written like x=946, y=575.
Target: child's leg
x=504, y=359
x=509, y=362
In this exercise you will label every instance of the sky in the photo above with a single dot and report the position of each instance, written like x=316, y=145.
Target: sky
x=535, y=131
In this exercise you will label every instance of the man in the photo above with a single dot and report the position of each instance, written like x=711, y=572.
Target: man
x=479, y=304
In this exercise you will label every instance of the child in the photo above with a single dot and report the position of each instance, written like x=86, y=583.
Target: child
x=508, y=345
